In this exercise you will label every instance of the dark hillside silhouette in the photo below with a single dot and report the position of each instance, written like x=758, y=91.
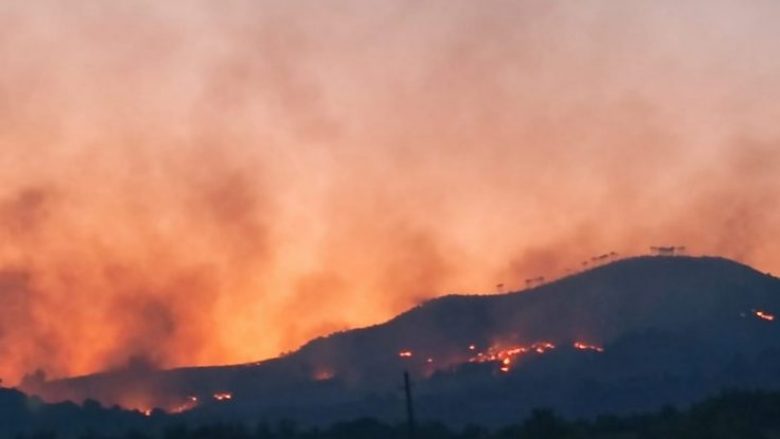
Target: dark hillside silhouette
x=628, y=336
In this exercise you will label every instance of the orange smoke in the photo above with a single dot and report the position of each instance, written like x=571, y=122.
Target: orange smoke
x=191, y=185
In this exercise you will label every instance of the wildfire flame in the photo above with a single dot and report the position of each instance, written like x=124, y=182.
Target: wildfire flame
x=587, y=347
x=189, y=404
x=504, y=356
x=542, y=347
x=223, y=396
x=764, y=315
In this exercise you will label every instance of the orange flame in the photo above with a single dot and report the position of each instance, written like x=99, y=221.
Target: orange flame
x=504, y=356
x=764, y=315
x=587, y=347
x=223, y=396
x=405, y=354
x=543, y=347
x=190, y=404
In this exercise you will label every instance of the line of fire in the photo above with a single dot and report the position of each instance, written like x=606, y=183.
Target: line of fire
x=505, y=358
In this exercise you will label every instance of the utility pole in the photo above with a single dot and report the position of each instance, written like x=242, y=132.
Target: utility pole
x=409, y=407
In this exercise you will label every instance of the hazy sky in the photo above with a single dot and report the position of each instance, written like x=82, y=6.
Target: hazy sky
x=201, y=182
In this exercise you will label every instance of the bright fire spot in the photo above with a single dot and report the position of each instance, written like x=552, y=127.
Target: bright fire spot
x=146, y=412
x=472, y=347
x=504, y=356
x=764, y=315
x=587, y=347
x=223, y=396
x=430, y=360
x=543, y=347
x=405, y=354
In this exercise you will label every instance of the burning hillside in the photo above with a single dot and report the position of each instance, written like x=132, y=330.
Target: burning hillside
x=505, y=357
x=500, y=354
x=200, y=187
x=629, y=314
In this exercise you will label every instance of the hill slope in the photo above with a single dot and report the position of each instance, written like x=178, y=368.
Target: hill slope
x=648, y=331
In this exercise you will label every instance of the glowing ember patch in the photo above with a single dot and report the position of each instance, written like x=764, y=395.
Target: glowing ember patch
x=763, y=315
x=405, y=354
x=587, y=347
x=223, y=396
x=472, y=347
x=542, y=347
x=504, y=357
x=191, y=403
x=146, y=412
x=515, y=351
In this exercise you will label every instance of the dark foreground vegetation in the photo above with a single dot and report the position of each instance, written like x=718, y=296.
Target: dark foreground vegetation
x=731, y=415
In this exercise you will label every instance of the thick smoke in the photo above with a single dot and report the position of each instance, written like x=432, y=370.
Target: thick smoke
x=193, y=183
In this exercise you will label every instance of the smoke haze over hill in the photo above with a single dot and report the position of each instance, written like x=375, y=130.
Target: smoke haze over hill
x=201, y=184
x=626, y=336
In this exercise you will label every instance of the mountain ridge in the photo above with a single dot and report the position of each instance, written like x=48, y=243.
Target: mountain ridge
x=647, y=314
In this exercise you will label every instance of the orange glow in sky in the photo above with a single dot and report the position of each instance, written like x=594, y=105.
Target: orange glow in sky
x=195, y=184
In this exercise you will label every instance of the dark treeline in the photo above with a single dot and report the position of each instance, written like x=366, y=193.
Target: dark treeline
x=741, y=415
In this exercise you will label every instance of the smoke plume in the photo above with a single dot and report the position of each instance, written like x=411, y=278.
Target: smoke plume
x=193, y=183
